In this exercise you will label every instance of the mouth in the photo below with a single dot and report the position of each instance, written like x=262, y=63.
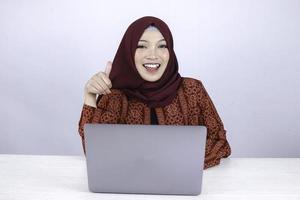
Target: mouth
x=151, y=67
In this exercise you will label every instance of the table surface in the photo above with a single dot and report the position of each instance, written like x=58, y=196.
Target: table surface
x=32, y=177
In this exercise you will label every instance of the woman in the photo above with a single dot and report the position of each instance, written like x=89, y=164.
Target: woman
x=147, y=89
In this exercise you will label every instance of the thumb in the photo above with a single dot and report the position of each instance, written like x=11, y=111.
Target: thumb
x=108, y=68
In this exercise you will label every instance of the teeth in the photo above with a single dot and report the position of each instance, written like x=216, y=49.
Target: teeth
x=152, y=65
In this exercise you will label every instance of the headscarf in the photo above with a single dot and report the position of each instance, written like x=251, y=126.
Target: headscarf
x=124, y=75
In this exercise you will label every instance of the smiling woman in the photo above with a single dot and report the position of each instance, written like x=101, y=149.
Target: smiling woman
x=143, y=86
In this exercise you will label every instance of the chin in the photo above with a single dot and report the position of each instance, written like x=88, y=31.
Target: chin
x=151, y=79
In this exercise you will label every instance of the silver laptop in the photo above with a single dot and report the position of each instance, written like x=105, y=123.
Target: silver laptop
x=146, y=159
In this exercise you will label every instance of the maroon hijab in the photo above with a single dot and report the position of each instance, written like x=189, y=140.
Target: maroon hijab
x=125, y=76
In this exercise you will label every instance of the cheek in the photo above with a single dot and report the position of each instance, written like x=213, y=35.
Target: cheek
x=166, y=56
x=138, y=57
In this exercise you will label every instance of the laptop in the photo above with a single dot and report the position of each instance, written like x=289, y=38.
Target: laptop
x=145, y=159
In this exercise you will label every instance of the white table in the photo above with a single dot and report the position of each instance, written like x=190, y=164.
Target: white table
x=26, y=177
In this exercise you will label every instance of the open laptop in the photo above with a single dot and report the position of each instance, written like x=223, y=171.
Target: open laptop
x=146, y=159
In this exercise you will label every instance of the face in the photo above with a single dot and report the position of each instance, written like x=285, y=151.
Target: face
x=152, y=55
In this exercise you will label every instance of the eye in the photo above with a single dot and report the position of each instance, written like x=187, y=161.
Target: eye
x=141, y=46
x=163, y=46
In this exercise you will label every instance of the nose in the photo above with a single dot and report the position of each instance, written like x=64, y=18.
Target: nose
x=152, y=54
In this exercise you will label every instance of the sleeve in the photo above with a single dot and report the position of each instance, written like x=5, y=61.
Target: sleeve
x=87, y=114
x=108, y=111
x=217, y=146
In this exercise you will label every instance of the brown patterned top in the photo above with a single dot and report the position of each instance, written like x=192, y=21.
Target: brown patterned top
x=191, y=106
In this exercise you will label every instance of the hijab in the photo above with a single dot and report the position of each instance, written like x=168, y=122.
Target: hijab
x=124, y=75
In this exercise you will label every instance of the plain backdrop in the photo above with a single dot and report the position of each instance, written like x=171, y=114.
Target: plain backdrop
x=246, y=53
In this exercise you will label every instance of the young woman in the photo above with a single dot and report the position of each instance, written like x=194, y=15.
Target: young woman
x=143, y=86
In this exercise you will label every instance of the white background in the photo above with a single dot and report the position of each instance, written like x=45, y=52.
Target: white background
x=245, y=52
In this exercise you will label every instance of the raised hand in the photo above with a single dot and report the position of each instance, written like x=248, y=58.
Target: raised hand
x=98, y=84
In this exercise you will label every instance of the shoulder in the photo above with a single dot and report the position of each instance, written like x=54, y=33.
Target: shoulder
x=191, y=85
x=115, y=98
x=115, y=93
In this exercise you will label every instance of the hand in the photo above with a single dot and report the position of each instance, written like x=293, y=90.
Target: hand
x=100, y=82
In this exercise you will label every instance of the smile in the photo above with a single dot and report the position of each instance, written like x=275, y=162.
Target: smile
x=151, y=66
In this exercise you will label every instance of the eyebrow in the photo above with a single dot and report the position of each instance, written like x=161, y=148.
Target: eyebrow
x=147, y=41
